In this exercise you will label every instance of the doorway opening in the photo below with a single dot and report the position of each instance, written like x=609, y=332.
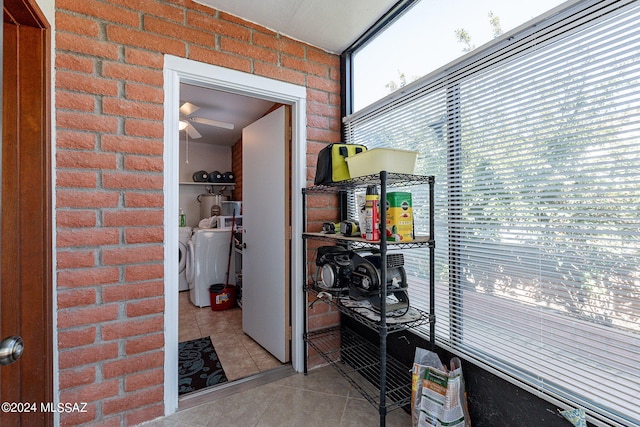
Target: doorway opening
x=216, y=346
x=219, y=81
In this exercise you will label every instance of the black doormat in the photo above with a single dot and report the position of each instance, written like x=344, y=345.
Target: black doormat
x=198, y=366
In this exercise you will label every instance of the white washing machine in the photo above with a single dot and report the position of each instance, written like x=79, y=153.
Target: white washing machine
x=184, y=235
x=207, y=259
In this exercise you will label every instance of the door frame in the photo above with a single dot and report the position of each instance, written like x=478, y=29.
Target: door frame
x=34, y=319
x=180, y=70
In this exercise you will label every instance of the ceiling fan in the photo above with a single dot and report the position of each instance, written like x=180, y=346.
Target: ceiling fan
x=186, y=118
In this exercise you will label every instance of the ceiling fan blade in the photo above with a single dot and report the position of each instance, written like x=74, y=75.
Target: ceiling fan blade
x=210, y=122
x=188, y=108
x=193, y=132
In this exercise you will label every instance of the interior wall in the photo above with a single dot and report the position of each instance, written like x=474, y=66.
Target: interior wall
x=109, y=145
x=201, y=156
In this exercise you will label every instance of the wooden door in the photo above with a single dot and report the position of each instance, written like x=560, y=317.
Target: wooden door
x=25, y=275
x=267, y=233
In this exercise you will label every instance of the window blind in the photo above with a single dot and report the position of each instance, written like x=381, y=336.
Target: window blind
x=535, y=145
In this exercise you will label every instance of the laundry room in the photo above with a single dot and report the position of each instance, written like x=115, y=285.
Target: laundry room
x=211, y=233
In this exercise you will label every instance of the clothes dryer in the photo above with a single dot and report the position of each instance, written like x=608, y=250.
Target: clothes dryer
x=184, y=235
x=207, y=259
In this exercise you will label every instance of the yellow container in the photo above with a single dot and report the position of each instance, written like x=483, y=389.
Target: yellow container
x=382, y=159
x=399, y=217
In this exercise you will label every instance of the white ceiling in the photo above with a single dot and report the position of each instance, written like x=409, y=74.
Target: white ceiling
x=224, y=107
x=332, y=25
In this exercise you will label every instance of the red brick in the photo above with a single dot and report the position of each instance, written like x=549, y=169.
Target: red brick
x=132, y=255
x=144, y=344
x=67, y=238
x=87, y=277
x=120, y=218
x=77, y=24
x=75, y=101
x=318, y=121
x=143, y=57
x=76, y=357
x=153, y=7
x=86, y=45
x=133, y=400
x=142, y=92
x=323, y=83
x=132, y=181
x=91, y=392
x=164, y=28
x=279, y=73
x=86, y=199
x=141, y=110
x=128, y=292
x=218, y=26
x=132, y=364
x=144, y=164
x=279, y=44
x=74, y=139
x=87, y=122
x=247, y=50
x=76, y=179
x=75, y=259
x=322, y=109
x=100, y=10
x=135, y=73
x=317, y=55
x=143, y=200
x=144, y=235
x=324, y=321
x=304, y=66
x=85, y=160
x=125, y=144
x=218, y=58
x=75, y=297
x=130, y=328
x=131, y=37
x=137, y=273
x=146, y=307
x=323, y=135
x=76, y=337
x=86, y=83
x=144, y=128
x=144, y=379
x=75, y=377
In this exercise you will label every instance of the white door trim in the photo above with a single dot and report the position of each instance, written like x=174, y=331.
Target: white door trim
x=179, y=70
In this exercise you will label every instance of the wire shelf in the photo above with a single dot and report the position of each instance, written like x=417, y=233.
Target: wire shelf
x=359, y=362
x=396, y=322
x=393, y=180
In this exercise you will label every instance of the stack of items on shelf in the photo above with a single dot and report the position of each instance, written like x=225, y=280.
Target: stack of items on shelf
x=360, y=276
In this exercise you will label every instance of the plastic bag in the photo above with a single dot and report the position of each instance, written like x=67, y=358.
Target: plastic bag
x=438, y=395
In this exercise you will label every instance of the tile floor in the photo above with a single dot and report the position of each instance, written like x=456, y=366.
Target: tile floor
x=261, y=391
x=320, y=399
x=240, y=355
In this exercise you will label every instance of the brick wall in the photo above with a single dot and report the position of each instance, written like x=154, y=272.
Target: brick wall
x=109, y=178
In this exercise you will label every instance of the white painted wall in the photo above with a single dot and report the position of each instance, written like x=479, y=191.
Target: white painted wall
x=201, y=156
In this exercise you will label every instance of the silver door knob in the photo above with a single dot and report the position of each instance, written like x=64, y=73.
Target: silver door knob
x=10, y=350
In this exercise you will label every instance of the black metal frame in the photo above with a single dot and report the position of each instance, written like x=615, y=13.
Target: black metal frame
x=346, y=58
x=384, y=372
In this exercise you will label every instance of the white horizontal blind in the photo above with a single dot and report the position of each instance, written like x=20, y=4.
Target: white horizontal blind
x=535, y=144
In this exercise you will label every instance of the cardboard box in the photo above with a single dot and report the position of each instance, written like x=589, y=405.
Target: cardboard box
x=399, y=217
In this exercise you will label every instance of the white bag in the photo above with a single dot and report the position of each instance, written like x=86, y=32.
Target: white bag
x=438, y=395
